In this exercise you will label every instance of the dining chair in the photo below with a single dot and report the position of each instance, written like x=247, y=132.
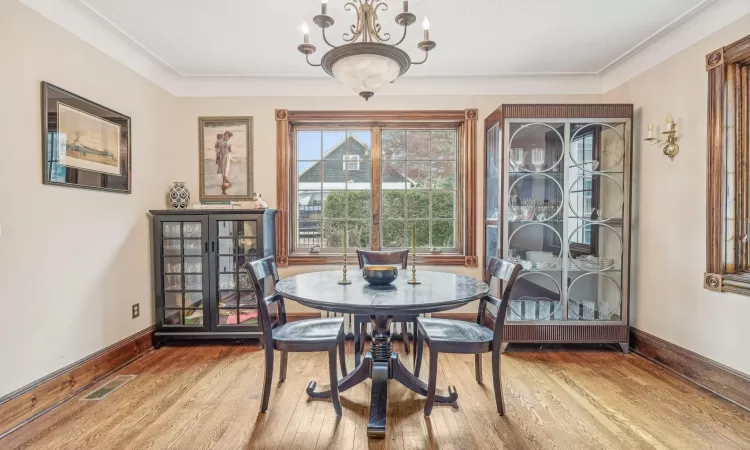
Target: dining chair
x=312, y=335
x=372, y=258
x=457, y=336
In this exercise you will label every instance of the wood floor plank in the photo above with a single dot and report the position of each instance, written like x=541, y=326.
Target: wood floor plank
x=208, y=397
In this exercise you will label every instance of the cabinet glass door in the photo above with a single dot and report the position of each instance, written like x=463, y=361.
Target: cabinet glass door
x=533, y=217
x=184, y=273
x=596, y=199
x=235, y=242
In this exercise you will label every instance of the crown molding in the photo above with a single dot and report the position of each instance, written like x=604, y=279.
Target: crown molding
x=709, y=19
x=79, y=18
x=405, y=86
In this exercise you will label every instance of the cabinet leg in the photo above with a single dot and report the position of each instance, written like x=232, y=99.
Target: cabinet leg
x=504, y=346
x=625, y=347
x=157, y=342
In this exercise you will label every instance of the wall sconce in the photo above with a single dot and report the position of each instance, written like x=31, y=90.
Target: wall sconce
x=671, y=148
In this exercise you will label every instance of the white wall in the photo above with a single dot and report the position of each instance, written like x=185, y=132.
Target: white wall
x=669, y=242
x=72, y=261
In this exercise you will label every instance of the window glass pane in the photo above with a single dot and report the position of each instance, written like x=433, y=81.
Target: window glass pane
x=309, y=145
x=443, y=145
x=394, y=205
x=394, y=234
x=417, y=145
x=394, y=174
x=443, y=204
x=418, y=175
x=393, y=144
x=443, y=175
x=334, y=189
x=427, y=196
x=418, y=204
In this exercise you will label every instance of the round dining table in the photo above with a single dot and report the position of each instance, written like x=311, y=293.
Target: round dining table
x=437, y=291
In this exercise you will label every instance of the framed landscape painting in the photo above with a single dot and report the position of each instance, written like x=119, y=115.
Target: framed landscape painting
x=84, y=144
x=226, y=158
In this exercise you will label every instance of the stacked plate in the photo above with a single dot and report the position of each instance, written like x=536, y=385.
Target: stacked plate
x=592, y=263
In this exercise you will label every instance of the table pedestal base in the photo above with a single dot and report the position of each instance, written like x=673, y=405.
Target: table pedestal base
x=381, y=365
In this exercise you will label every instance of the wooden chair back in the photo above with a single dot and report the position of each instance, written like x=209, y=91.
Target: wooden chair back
x=507, y=273
x=370, y=258
x=264, y=275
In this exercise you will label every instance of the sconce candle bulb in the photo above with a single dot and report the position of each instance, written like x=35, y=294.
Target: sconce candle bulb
x=324, y=7
x=426, y=26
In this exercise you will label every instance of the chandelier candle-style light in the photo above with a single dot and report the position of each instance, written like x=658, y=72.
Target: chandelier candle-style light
x=366, y=62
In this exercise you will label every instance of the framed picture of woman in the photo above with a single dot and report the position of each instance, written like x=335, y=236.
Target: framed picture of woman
x=225, y=146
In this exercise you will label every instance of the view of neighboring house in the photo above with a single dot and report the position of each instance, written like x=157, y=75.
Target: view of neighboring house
x=345, y=166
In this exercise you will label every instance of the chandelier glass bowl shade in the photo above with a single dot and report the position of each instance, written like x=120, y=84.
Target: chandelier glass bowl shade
x=366, y=61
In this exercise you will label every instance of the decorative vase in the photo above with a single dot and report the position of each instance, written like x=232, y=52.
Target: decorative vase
x=179, y=197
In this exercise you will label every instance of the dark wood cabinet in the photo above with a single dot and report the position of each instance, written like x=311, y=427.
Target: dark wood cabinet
x=200, y=287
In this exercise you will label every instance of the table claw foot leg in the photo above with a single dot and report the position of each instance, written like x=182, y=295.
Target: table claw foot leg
x=324, y=393
x=378, y=400
x=360, y=374
x=405, y=377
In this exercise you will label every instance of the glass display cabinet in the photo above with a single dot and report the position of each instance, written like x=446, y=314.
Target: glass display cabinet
x=557, y=201
x=201, y=289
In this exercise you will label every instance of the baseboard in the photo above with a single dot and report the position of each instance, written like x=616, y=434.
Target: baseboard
x=33, y=400
x=723, y=381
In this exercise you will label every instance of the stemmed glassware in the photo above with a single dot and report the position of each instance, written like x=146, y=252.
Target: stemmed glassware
x=537, y=158
x=517, y=159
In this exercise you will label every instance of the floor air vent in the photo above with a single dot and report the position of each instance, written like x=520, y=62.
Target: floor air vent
x=109, y=387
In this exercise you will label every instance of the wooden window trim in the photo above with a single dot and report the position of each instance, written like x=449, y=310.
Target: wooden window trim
x=727, y=79
x=466, y=178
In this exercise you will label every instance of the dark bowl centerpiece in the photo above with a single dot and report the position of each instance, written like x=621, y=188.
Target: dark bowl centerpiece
x=380, y=275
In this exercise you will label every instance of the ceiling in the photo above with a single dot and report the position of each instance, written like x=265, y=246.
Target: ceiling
x=249, y=47
x=474, y=37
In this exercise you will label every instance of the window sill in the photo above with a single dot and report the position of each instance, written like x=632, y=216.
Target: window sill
x=730, y=282
x=311, y=259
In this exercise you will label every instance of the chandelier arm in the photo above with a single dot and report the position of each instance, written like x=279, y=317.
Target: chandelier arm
x=426, y=54
x=307, y=58
x=325, y=39
x=356, y=29
x=402, y=37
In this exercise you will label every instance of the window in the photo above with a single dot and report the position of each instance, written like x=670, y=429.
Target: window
x=418, y=185
x=728, y=181
x=351, y=162
x=376, y=177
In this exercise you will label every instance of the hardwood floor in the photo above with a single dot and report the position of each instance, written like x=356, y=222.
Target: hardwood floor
x=208, y=397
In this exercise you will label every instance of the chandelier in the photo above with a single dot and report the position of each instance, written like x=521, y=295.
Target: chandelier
x=366, y=61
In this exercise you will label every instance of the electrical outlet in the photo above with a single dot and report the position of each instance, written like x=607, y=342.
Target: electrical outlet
x=136, y=310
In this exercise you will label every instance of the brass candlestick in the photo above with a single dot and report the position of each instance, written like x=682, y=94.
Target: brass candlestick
x=414, y=270
x=343, y=280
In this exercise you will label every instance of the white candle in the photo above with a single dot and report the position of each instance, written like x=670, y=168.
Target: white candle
x=345, y=240
x=426, y=26
x=650, y=130
x=324, y=7
x=305, y=29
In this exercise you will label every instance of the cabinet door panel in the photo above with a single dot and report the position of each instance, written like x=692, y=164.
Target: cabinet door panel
x=181, y=275
x=235, y=241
